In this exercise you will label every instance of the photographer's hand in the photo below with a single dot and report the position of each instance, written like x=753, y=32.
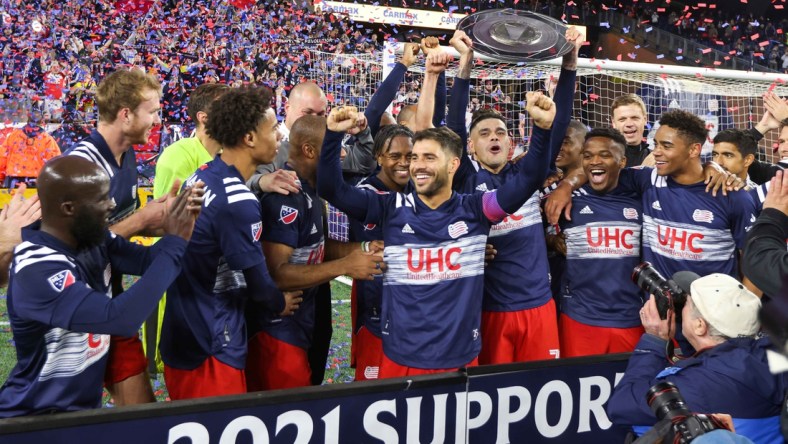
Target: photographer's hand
x=649, y=316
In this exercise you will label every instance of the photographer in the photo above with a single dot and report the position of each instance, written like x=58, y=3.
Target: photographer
x=728, y=374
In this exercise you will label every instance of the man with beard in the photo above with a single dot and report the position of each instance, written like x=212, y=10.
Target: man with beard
x=435, y=241
x=128, y=107
x=59, y=301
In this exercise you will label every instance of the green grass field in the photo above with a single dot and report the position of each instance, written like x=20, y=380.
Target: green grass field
x=337, y=366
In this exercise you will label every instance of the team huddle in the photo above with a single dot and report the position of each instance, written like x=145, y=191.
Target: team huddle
x=448, y=246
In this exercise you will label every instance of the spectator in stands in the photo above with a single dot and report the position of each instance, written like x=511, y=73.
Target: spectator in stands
x=729, y=374
x=25, y=150
x=628, y=115
x=294, y=245
x=58, y=304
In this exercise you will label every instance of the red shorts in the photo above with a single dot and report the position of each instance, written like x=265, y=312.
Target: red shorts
x=125, y=360
x=578, y=339
x=272, y=364
x=211, y=378
x=369, y=353
x=516, y=336
x=390, y=369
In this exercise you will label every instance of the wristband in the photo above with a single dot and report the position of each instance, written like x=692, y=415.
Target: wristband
x=365, y=246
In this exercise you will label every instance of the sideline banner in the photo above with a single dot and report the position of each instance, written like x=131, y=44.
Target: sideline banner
x=548, y=401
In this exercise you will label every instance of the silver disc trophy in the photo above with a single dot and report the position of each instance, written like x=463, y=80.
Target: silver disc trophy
x=509, y=35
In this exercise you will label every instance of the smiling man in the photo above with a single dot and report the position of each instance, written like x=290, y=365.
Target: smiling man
x=128, y=107
x=602, y=239
x=629, y=117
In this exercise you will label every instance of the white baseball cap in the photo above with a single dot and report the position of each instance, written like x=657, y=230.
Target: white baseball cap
x=723, y=301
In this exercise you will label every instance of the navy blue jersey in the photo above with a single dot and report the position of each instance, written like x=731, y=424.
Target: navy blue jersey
x=521, y=250
x=205, y=305
x=602, y=249
x=368, y=293
x=295, y=220
x=686, y=228
x=61, y=316
x=758, y=193
x=122, y=177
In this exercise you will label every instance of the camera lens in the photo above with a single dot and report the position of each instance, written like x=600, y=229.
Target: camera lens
x=666, y=401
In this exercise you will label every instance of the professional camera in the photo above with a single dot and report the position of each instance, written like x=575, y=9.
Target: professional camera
x=667, y=403
x=667, y=293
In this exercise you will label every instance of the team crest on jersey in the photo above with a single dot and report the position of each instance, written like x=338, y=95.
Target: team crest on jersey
x=457, y=229
x=287, y=215
x=59, y=281
x=702, y=216
x=630, y=213
x=257, y=228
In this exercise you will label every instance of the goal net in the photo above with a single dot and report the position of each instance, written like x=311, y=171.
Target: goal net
x=722, y=98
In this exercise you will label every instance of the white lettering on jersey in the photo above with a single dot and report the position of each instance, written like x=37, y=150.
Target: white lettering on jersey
x=208, y=197
x=70, y=353
x=607, y=240
x=415, y=264
x=526, y=216
x=687, y=242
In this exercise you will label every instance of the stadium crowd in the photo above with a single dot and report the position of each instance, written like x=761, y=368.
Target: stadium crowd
x=506, y=252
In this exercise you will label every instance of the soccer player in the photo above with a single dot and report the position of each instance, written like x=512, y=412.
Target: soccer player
x=59, y=300
x=294, y=246
x=434, y=241
x=203, y=340
x=600, y=316
x=734, y=150
x=128, y=108
x=519, y=321
x=569, y=158
x=392, y=148
x=629, y=117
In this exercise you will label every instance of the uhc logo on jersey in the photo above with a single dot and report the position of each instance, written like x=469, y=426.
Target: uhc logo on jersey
x=257, y=228
x=457, y=229
x=287, y=215
x=59, y=281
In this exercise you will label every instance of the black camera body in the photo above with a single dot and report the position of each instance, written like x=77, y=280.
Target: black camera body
x=667, y=293
x=667, y=404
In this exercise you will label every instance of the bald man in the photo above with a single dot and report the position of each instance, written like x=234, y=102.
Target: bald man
x=59, y=303
x=294, y=248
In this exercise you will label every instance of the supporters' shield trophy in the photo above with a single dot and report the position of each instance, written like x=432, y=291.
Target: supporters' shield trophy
x=516, y=36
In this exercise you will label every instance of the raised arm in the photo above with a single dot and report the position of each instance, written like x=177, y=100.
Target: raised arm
x=436, y=64
x=533, y=167
x=388, y=88
x=458, y=104
x=355, y=202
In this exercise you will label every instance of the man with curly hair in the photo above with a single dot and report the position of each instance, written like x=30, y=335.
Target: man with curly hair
x=203, y=340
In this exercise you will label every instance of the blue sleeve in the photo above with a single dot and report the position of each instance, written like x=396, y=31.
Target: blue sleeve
x=383, y=97
x=742, y=214
x=627, y=404
x=523, y=184
x=564, y=97
x=129, y=258
x=440, y=101
x=357, y=203
x=77, y=307
x=281, y=230
x=239, y=234
x=455, y=121
x=636, y=180
x=262, y=287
